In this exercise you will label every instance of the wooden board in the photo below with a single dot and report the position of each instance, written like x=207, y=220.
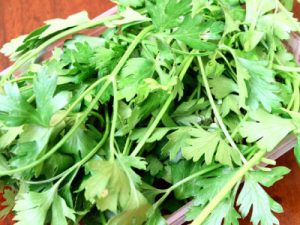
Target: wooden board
x=20, y=17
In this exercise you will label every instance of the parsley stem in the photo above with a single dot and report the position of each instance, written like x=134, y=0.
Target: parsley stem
x=216, y=112
x=21, y=79
x=183, y=181
x=31, y=55
x=162, y=111
x=296, y=95
x=287, y=69
x=227, y=188
x=82, y=161
x=63, y=140
x=114, y=120
x=79, y=99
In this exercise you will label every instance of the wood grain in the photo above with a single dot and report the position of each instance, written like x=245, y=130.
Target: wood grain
x=20, y=17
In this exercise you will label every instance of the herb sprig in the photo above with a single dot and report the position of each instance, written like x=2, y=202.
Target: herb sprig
x=177, y=100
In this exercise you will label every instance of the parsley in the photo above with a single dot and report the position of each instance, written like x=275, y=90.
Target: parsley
x=177, y=100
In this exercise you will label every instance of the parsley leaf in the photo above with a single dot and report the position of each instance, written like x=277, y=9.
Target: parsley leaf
x=265, y=129
x=207, y=144
x=166, y=13
x=132, y=75
x=253, y=196
x=197, y=33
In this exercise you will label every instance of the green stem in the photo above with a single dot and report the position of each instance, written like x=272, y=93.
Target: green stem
x=21, y=79
x=183, y=181
x=114, y=120
x=127, y=145
x=161, y=112
x=216, y=112
x=63, y=140
x=296, y=96
x=287, y=69
x=82, y=161
x=227, y=188
x=79, y=99
x=34, y=53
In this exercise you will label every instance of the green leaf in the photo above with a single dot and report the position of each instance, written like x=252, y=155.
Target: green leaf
x=157, y=135
x=10, y=48
x=224, y=214
x=253, y=196
x=190, y=107
x=221, y=91
x=130, y=3
x=57, y=164
x=214, y=182
x=154, y=165
x=117, y=186
x=47, y=104
x=79, y=144
x=269, y=178
x=166, y=14
x=177, y=140
x=60, y=211
x=135, y=216
x=262, y=88
x=230, y=103
x=197, y=33
x=55, y=25
x=14, y=109
x=9, y=202
x=256, y=8
x=181, y=170
x=250, y=39
x=132, y=75
x=265, y=129
x=278, y=24
x=31, y=144
x=106, y=59
x=211, y=146
x=9, y=135
x=197, y=5
x=3, y=165
x=32, y=207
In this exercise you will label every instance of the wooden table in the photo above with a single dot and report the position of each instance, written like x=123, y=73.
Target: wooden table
x=20, y=17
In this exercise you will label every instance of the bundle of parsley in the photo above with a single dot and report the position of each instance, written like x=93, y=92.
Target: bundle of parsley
x=177, y=100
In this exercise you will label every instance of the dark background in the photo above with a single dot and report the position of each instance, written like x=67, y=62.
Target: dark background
x=19, y=17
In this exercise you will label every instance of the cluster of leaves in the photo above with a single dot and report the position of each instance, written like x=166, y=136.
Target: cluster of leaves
x=175, y=96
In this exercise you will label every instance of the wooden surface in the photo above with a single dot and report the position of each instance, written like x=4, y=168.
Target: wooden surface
x=20, y=17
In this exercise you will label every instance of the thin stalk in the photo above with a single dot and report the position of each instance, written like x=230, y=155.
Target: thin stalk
x=216, y=112
x=287, y=69
x=161, y=112
x=21, y=79
x=183, y=181
x=82, y=161
x=227, y=188
x=34, y=53
x=296, y=96
x=63, y=140
x=79, y=99
x=127, y=145
x=114, y=121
